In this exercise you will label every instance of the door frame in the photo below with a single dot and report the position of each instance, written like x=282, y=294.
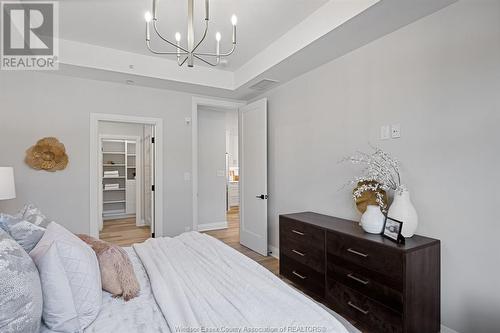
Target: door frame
x=94, y=171
x=196, y=102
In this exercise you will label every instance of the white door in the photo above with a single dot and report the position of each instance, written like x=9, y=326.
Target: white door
x=253, y=176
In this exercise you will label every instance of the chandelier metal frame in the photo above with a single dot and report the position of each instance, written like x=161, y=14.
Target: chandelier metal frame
x=188, y=54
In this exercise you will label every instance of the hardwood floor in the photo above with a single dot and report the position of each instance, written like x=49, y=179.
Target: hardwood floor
x=231, y=236
x=124, y=232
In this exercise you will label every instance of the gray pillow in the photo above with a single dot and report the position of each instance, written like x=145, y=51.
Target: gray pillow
x=23, y=232
x=20, y=289
x=33, y=214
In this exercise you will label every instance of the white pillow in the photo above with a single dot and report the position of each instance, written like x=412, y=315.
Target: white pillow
x=71, y=280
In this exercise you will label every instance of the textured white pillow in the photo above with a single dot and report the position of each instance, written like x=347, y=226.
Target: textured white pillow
x=71, y=280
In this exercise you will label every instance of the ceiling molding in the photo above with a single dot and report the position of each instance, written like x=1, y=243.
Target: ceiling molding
x=97, y=57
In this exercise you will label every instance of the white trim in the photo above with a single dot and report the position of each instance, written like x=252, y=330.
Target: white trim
x=273, y=251
x=197, y=101
x=94, y=173
x=445, y=329
x=212, y=226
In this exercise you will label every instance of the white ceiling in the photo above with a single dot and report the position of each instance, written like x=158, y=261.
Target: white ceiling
x=119, y=24
x=278, y=39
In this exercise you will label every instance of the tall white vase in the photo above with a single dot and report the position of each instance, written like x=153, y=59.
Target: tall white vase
x=372, y=221
x=403, y=210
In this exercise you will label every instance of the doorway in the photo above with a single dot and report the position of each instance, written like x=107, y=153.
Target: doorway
x=125, y=170
x=218, y=172
x=251, y=173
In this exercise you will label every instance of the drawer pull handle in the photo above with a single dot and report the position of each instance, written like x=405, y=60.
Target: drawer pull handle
x=365, y=282
x=299, y=253
x=298, y=232
x=298, y=275
x=364, y=255
x=354, y=306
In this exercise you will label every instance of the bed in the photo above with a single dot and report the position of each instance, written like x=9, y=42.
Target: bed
x=195, y=283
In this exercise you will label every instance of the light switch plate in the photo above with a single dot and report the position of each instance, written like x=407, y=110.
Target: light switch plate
x=385, y=132
x=221, y=173
x=187, y=176
x=396, y=131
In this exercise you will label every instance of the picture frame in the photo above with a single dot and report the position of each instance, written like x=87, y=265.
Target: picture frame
x=392, y=230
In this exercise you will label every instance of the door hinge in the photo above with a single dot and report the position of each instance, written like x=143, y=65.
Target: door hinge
x=152, y=188
x=153, y=139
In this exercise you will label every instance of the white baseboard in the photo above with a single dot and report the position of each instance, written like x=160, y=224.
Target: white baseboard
x=274, y=251
x=212, y=226
x=445, y=329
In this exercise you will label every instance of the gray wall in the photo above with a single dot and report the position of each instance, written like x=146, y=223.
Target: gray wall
x=35, y=105
x=440, y=79
x=211, y=161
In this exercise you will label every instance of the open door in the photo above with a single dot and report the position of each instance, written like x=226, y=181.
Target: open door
x=253, y=176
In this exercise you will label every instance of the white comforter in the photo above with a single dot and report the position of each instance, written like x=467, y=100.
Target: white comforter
x=201, y=284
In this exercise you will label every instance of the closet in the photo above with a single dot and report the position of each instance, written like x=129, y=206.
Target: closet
x=119, y=174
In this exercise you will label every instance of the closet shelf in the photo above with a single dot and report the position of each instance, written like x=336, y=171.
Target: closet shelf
x=114, y=202
x=118, y=157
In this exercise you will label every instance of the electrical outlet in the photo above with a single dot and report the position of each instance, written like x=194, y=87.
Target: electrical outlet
x=396, y=131
x=187, y=176
x=385, y=132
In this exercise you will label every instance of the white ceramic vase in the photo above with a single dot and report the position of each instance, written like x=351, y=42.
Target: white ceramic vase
x=372, y=221
x=403, y=210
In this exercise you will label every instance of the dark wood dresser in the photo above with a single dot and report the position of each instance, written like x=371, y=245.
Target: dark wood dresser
x=380, y=285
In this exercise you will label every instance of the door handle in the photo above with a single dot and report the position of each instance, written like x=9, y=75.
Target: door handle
x=262, y=196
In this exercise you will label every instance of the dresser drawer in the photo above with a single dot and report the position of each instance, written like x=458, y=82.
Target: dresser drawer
x=304, y=254
x=369, y=283
x=367, y=254
x=302, y=233
x=369, y=313
x=304, y=277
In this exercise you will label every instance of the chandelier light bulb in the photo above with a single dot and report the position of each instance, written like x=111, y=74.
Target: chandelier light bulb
x=186, y=54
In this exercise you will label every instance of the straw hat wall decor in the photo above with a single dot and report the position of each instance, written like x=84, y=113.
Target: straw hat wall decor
x=48, y=154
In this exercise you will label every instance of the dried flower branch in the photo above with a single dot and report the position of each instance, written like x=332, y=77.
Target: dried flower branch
x=380, y=167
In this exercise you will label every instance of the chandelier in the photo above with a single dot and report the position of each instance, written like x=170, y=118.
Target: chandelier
x=188, y=53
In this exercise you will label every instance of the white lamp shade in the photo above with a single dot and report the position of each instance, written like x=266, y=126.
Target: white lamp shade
x=7, y=187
